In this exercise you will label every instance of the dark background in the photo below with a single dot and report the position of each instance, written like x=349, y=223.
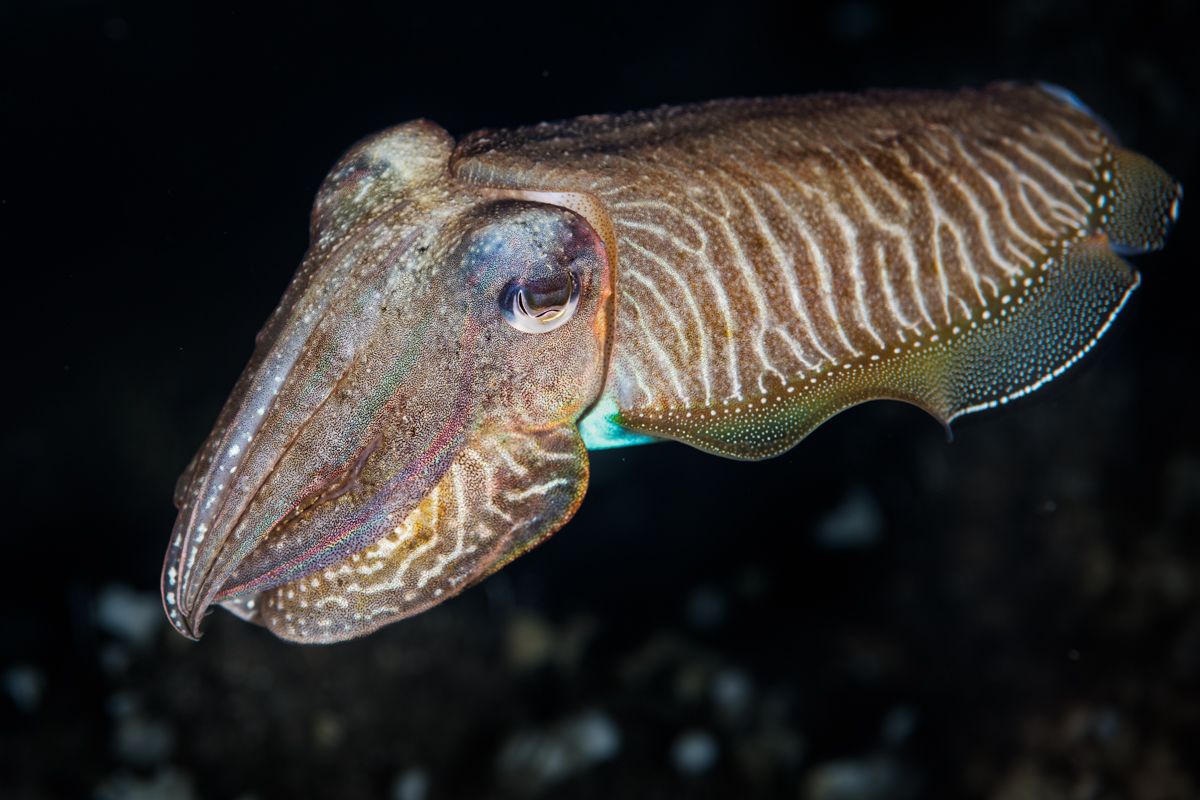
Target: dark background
x=876, y=614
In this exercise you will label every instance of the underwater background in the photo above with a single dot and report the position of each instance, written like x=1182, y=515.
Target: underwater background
x=876, y=614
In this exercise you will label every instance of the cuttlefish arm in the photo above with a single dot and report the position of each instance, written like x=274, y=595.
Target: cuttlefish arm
x=407, y=422
x=471, y=317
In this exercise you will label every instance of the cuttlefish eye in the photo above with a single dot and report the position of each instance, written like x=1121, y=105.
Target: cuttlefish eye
x=542, y=304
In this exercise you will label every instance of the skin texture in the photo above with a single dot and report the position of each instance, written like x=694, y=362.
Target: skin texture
x=740, y=272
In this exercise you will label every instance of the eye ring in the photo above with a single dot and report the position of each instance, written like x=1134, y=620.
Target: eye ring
x=542, y=305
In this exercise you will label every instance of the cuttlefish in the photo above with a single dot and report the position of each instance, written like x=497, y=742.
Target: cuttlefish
x=471, y=318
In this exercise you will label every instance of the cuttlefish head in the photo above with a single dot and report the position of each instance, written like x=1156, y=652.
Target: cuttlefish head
x=407, y=423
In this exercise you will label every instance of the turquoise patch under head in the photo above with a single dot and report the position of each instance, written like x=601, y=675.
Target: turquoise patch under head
x=600, y=431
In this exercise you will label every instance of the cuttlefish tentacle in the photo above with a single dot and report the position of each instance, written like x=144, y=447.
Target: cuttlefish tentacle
x=471, y=317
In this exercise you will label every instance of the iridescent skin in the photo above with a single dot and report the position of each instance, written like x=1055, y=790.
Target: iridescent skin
x=727, y=275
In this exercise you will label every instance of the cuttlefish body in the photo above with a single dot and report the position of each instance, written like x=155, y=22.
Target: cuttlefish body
x=470, y=319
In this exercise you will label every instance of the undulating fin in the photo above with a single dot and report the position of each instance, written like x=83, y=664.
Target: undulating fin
x=1142, y=202
x=1019, y=343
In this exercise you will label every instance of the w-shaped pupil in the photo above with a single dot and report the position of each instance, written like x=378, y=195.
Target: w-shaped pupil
x=542, y=304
